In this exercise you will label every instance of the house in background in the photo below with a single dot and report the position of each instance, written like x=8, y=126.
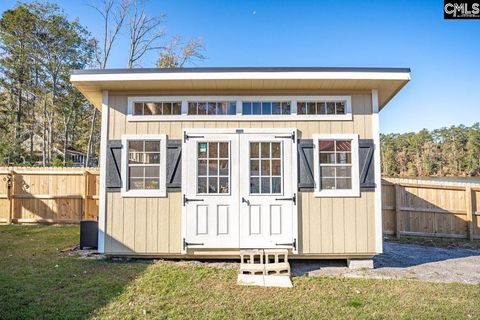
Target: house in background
x=203, y=162
x=74, y=158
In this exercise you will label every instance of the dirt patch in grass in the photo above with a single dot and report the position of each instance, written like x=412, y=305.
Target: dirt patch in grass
x=438, y=242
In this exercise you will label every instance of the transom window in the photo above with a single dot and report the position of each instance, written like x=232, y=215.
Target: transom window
x=157, y=108
x=266, y=108
x=239, y=108
x=213, y=167
x=266, y=172
x=321, y=107
x=212, y=108
x=336, y=165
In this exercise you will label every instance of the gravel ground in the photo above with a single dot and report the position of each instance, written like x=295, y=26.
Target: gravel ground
x=399, y=261
x=405, y=261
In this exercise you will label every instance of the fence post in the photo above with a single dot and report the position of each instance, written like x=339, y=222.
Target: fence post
x=11, y=194
x=398, y=204
x=85, y=195
x=469, y=208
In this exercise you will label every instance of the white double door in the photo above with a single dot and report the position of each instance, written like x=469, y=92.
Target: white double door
x=239, y=190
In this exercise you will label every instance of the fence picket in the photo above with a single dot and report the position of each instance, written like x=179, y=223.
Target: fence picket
x=49, y=195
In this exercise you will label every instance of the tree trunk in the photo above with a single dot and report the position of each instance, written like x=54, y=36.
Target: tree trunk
x=90, y=138
x=44, y=133
x=65, y=142
x=18, y=121
x=50, y=138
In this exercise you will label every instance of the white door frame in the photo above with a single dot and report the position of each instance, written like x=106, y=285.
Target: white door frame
x=281, y=131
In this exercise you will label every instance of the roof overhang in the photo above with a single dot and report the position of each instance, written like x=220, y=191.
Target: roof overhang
x=388, y=81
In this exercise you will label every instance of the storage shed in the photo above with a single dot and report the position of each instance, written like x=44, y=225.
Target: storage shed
x=204, y=162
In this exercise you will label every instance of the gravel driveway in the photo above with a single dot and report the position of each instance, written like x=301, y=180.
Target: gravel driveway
x=407, y=261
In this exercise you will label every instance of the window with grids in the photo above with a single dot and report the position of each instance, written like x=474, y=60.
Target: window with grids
x=321, y=107
x=213, y=167
x=266, y=167
x=266, y=108
x=212, y=108
x=157, y=108
x=335, y=164
x=144, y=165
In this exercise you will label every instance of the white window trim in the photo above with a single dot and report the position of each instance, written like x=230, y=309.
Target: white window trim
x=239, y=116
x=162, y=191
x=355, y=191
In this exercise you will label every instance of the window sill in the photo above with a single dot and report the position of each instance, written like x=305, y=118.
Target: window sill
x=291, y=117
x=337, y=194
x=144, y=194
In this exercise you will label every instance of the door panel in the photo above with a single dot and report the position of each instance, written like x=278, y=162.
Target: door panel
x=255, y=219
x=266, y=180
x=275, y=219
x=223, y=219
x=212, y=191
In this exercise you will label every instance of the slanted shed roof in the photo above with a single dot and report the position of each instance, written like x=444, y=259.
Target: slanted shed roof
x=388, y=81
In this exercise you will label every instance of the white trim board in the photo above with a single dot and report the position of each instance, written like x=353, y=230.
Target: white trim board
x=378, y=173
x=102, y=221
x=239, y=105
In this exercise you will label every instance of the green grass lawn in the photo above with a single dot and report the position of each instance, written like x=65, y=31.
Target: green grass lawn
x=38, y=282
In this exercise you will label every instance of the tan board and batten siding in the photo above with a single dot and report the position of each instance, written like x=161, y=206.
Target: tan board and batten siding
x=327, y=226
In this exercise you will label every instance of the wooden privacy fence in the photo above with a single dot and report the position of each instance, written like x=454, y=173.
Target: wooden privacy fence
x=48, y=195
x=430, y=208
x=410, y=206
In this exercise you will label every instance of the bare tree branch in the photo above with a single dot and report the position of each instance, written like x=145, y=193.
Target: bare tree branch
x=113, y=13
x=176, y=55
x=144, y=32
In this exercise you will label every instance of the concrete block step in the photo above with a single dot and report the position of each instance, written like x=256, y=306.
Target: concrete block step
x=252, y=268
x=264, y=281
x=282, y=268
x=276, y=256
x=253, y=256
x=272, y=262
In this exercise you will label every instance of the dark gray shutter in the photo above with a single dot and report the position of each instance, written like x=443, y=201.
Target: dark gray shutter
x=114, y=165
x=366, y=165
x=306, y=180
x=174, y=165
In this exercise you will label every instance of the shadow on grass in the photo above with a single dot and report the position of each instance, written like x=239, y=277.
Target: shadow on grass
x=38, y=282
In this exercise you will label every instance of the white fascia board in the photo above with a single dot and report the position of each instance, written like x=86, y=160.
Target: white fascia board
x=243, y=76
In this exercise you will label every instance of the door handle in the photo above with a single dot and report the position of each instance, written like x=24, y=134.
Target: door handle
x=292, y=244
x=186, y=244
x=293, y=199
x=245, y=201
x=187, y=200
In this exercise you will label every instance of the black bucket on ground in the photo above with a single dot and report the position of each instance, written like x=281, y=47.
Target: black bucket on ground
x=88, y=234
